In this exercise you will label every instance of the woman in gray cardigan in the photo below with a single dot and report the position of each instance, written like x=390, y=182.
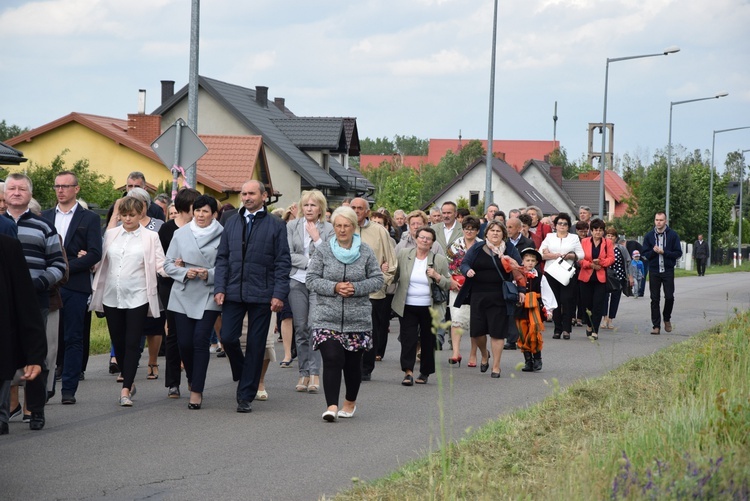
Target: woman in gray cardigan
x=305, y=234
x=190, y=261
x=342, y=273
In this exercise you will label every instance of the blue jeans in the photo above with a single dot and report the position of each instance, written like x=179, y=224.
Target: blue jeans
x=246, y=368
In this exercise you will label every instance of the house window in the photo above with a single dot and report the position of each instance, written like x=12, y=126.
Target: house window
x=473, y=198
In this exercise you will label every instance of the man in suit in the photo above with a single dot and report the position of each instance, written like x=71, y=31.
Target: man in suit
x=23, y=341
x=80, y=230
x=700, y=253
x=251, y=278
x=449, y=230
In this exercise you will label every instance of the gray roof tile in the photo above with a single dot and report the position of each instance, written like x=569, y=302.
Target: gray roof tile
x=314, y=132
x=10, y=155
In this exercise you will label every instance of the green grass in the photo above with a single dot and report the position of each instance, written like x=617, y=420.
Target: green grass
x=99, y=336
x=672, y=425
x=713, y=270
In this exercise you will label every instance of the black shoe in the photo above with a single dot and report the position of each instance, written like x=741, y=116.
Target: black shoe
x=537, y=361
x=529, y=367
x=37, y=421
x=68, y=399
x=113, y=367
x=366, y=377
x=422, y=379
x=495, y=375
x=4, y=430
x=556, y=335
x=15, y=412
x=58, y=373
x=27, y=418
x=82, y=376
x=50, y=394
x=244, y=406
x=510, y=346
x=221, y=354
x=174, y=392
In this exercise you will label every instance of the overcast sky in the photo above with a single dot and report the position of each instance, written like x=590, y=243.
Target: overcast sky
x=409, y=67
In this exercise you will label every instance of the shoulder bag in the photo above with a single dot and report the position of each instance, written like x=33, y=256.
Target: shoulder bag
x=613, y=282
x=439, y=296
x=560, y=270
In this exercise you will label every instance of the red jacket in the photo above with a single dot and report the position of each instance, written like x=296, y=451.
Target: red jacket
x=606, y=258
x=541, y=232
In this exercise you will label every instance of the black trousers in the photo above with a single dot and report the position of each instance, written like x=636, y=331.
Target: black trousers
x=381, y=317
x=566, y=303
x=335, y=361
x=125, y=331
x=172, y=359
x=656, y=281
x=700, y=263
x=194, y=338
x=416, y=325
x=594, y=298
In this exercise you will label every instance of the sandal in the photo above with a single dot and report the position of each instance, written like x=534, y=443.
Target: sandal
x=151, y=373
x=408, y=380
x=422, y=379
x=302, y=384
x=285, y=364
x=314, y=385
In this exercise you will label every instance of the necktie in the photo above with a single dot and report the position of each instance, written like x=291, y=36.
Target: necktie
x=250, y=218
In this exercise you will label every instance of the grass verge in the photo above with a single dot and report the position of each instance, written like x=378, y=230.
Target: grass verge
x=672, y=425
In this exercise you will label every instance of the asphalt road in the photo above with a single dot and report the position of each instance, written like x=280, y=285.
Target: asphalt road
x=159, y=449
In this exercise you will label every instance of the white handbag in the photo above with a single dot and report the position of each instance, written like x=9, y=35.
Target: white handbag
x=560, y=270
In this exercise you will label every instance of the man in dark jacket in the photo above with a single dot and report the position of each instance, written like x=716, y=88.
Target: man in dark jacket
x=700, y=253
x=251, y=277
x=23, y=341
x=661, y=250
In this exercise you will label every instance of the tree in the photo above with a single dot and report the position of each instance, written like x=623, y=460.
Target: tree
x=96, y=189
x=411, y=145
x=378, y=146
x=9, y=131
x=735, y=166
x=400, y=191
x=570, y=170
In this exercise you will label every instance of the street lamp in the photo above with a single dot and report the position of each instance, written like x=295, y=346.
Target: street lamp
x=739, y=233
x=603, y=159
x=711, y=187
x=669, y=146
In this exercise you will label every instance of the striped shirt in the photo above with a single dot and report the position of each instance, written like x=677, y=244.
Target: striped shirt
x=43, y=253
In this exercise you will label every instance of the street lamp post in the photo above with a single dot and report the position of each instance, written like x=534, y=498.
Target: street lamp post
x=488, y=171
x=669, y=145
x=739, y=233
x=711, y=187
x=603, y=159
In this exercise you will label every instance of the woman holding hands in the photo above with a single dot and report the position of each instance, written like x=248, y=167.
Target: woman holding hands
x=190, y=261
x=342, y=273
x=598, y=255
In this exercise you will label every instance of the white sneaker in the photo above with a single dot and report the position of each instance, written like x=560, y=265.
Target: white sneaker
x=213, y=348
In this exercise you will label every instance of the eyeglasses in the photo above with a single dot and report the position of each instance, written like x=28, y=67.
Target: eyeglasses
x=64, y=186
x=471, y=229
x=562, y=223
x=425, y=238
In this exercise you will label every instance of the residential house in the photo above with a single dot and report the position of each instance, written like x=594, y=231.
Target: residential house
x=116, y=147
x=585, y=191
x=510, y=190
x=514, y=152
x=302, y=152
x=547, y=179
x=10, y=155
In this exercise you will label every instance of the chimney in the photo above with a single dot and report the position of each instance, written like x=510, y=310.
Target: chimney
x=144, y=128
x=279, y=102
x=261, y=95
x=167, y=90
x=546, y=158
x=141, y=101
x=555, y=172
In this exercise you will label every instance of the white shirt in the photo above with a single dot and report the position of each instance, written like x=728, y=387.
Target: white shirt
x=556, y=245
x=418, y=293
x=125, y=287
x=448, y=232
x=63, y=220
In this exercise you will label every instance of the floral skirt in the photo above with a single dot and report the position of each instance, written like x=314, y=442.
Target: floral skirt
x=351, y=341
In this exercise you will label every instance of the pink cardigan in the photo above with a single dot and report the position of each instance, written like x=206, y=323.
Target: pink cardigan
x=153, y=257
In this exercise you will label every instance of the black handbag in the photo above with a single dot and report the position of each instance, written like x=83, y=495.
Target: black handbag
x=613, y=282
x=439, y=296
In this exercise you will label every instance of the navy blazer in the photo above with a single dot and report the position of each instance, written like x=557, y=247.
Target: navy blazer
x=84, y=233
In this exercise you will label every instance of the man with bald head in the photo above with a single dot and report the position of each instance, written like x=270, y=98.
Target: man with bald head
x=515, y=235
x=378, y=239
x=251, y=278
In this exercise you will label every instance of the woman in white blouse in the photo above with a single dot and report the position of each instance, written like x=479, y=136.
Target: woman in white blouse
x=562, y=243
x=125, y=287
x=305, y=234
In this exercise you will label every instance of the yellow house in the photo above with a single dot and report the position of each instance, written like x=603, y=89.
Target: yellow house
x=116, y=147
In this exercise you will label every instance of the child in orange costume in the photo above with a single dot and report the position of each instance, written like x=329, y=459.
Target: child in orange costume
x=537, y=304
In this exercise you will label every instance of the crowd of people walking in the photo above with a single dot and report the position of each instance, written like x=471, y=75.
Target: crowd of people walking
x=327, y=281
